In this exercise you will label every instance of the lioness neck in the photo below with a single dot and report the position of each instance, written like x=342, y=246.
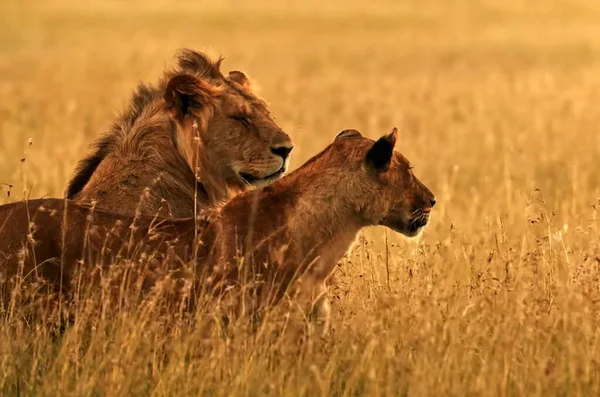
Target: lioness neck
x=301, y=213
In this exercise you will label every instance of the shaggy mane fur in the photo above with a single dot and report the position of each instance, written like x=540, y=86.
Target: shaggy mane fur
x=137, y=119
x=183, y=142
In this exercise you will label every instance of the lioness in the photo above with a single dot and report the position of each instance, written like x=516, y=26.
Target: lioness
x=288, y=236
x=195, y=121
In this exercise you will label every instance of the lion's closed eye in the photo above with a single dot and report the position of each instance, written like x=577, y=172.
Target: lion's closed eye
x=242, y=119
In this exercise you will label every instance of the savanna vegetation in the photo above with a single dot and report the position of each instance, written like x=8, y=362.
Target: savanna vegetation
x=497, y=107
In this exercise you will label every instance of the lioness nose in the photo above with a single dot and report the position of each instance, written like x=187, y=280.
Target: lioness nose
x=283, y=151
x=433, y=201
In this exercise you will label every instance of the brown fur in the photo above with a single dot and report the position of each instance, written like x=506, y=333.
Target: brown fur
x=290, y=234
x=195, y=125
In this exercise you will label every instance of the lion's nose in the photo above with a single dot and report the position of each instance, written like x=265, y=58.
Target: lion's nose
x=283, y=151
x=433, y=201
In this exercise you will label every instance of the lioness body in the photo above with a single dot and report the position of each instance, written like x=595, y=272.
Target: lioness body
x=289, y=235
x=215, y=131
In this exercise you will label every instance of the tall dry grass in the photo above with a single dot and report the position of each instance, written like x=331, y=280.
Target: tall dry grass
x=497, y=102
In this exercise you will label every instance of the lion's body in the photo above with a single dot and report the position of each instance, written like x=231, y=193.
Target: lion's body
x=154, y=154
x=287, y=235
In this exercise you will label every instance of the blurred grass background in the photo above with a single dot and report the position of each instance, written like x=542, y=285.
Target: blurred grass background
x=497, y=104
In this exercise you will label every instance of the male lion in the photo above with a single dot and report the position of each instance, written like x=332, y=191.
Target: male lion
x=195, y=121
x=288, y=236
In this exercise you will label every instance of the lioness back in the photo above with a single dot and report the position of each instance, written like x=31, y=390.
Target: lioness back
x=48, y=240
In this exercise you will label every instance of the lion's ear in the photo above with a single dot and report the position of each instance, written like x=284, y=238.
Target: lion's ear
x=186, y=95
x=348, y=134
x=240, y=78
x=380, y=154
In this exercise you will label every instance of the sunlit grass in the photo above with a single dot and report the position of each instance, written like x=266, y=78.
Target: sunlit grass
x=497, y=104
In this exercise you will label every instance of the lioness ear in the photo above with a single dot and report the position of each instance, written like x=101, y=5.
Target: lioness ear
x=240, y=78
x=186, y=95
x=380, y=154
x=348, y=134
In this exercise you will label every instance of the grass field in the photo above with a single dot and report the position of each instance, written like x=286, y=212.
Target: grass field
x=498, y=107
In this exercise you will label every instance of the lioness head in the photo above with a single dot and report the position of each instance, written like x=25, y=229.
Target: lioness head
x=238, y=136
x=402, y=202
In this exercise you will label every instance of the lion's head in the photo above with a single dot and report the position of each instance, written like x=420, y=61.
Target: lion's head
x=381, y=184
x=196, y=129
x=240, y=138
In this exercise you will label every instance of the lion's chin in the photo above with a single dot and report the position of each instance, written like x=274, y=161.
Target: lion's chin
x=265, y=180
